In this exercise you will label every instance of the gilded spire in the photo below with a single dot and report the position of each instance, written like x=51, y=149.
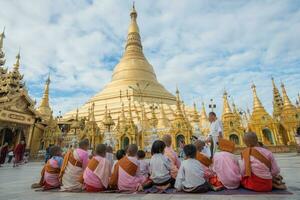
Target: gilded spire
x=257, y=105
x=203, y=114
x=2, y=36
x=2, y=54
x=134, y=44
x=44, y=107
x=286, y=100
x=226, y=106
x=178, y=111
x=17, y=64
x=77, y=114
x=107, y=120
x=277, y=100
x=122, y=116
x=195, y=114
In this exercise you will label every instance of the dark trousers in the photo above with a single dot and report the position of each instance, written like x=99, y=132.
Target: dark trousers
x=199, y=189
x=10, y=158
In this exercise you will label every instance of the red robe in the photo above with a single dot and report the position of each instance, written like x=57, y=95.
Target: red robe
x=19, y=152
x=3, y=154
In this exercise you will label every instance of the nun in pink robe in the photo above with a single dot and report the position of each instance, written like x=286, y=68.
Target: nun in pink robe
x=96, y=175
x=226, y=166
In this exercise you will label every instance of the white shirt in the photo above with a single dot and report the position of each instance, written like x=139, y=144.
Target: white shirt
x=160, y=167
x=215, y=128
x=190, y=174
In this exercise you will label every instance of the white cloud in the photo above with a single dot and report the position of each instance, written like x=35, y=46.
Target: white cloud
x=212, y=45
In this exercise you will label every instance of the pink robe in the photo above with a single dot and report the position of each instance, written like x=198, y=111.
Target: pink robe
x=175, y=162
x=100, y=176
x=128, y=182
x=226, y=166
x=52, y=179
x=73, y=174
x=260, y=169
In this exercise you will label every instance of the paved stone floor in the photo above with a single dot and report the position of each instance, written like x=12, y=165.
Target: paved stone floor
x=15, y=184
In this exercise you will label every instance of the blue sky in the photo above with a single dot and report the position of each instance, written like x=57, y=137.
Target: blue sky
x=202, y=46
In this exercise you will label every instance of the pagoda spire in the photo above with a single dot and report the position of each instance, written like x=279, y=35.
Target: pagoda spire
x=2, y=54
x=195, y=114
x=178, y=111
x=44, y=107
x=277, y=100
x=257, y=105
x=133, y=38
x=286, y=100
x=203, y=114
x=226, y=106
x=17, y=64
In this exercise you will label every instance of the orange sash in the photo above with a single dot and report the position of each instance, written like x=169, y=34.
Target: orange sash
x=48, y=168
x=256, y=154
x=126, y=165
x=69, y=157
x=203, y=159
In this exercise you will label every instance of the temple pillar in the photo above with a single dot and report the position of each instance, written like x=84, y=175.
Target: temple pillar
x=29, y=138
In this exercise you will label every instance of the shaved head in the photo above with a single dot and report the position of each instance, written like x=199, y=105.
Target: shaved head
x=199, y=145
x=132, y=150
x=167, y=139
x=250, y=139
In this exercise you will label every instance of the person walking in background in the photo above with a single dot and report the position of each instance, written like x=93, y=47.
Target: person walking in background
x=10, y=154
x=19, y=153
x=3, y=153
x=216, y=131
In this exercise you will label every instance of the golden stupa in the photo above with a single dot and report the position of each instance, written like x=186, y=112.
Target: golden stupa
x=133, y=77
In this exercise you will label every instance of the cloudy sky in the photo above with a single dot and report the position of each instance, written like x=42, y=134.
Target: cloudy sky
x=202, y=46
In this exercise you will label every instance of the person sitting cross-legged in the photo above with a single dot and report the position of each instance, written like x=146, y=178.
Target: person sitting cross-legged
x=190, y=177
x=171, y=154
x=126, y=175
x=259, y=167
x=50, y=172
x=160, y=167
x=226, y=167
x=96, y=175
x=74, y=164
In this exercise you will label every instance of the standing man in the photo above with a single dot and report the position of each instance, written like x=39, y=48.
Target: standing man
x=19, y=153
x=216, y=131
x=3, y=153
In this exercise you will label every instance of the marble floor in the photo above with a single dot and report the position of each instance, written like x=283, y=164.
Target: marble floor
x=15, y=184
